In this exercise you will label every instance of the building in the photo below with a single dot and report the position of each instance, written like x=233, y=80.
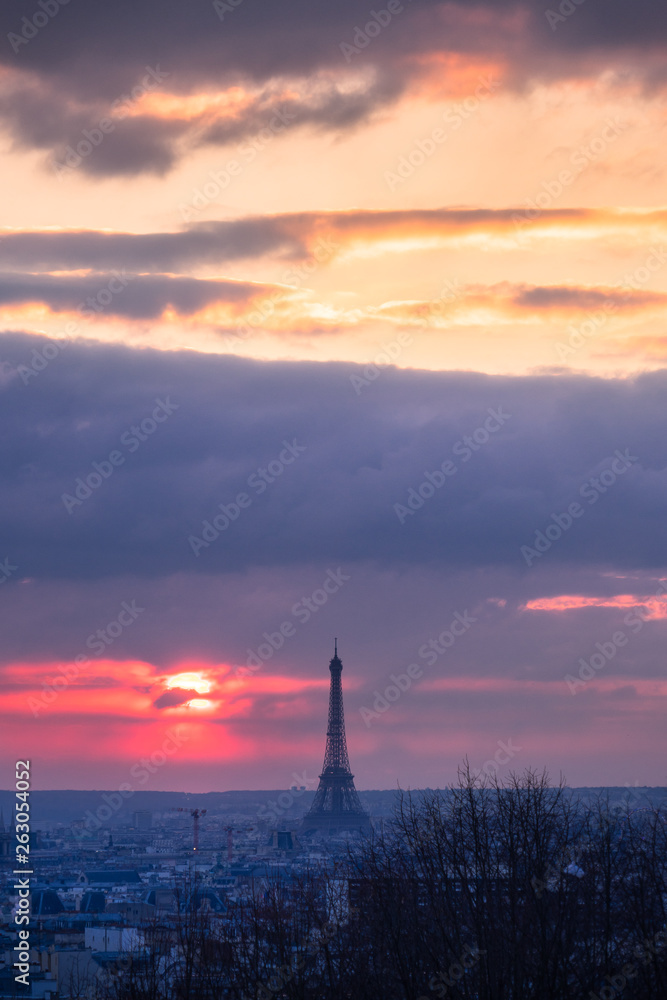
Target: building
x=336, y=807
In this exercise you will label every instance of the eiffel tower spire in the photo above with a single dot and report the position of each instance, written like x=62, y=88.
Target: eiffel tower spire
x=336, y=805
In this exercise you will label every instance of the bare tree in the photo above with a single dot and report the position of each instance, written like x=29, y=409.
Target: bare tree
x=485, y=891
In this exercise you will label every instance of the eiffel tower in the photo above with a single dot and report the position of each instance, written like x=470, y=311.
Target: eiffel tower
x=336, y=806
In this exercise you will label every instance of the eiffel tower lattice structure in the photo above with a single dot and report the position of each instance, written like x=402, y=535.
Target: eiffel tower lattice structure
x=336, y=806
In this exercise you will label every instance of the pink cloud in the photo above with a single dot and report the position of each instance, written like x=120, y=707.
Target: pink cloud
x=650, y=607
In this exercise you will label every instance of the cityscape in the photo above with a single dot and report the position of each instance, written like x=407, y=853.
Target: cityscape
x=220, y=900
x=333, y=492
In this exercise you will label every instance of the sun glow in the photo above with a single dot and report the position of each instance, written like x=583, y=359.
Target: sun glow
x=200, y=703
x=190, y=682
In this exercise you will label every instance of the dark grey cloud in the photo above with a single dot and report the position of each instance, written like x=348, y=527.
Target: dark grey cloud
x=137, y=145
x=327, y=108
x=201, y=243
x=123, y=294
x=573, y=297
x=90, y=55
x=289, y=235
x=382, y=618
x=176, y=696
x=96, y=48
x=38, y=118
x=335, y=502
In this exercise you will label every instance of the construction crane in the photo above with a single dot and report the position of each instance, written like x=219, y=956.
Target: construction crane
x=230, y=839
x=196, y=816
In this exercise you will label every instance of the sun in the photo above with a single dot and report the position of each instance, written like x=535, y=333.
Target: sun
x=189, y=682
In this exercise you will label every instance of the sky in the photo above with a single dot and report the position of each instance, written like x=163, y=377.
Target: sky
x=331, y=320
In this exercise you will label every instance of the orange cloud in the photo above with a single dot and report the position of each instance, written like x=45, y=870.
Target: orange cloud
x=134, y=690
x=443, y=76
x=300, y=234
x=651, y=607
x=186, y=107
x=292, y=314
x=506, y=302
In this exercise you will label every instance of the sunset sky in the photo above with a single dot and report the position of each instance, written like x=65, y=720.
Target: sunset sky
x=346, y=319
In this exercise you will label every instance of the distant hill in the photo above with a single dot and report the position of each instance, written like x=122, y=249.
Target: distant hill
x=64, y=806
